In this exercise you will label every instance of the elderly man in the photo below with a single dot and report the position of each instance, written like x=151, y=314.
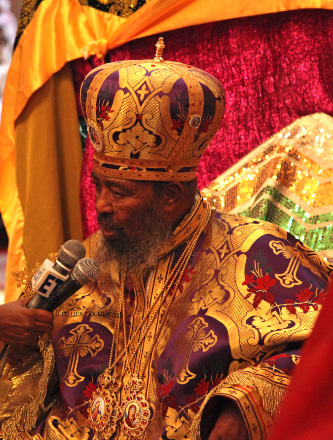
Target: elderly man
x=197, y=318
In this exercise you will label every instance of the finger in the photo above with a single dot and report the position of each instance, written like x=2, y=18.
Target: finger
x=21, y=337
x=42, y=327
x=42, y=315
x=23, y=301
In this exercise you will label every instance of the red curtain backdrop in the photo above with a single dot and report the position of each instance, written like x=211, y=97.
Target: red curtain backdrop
x=275, y=68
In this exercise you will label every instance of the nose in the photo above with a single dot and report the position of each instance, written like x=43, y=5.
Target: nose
x=103, y=201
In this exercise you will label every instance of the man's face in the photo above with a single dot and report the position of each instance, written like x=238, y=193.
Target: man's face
x=121, y=201
x=131, y=218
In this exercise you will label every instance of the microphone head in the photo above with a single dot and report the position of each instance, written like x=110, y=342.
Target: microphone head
x=86, y=271
x=70, y=253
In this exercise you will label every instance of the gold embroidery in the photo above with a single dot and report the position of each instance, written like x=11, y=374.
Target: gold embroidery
x=178, y=426
x=289, y=277
x=195, y=339
x=79, y=344
x=67, y=430
x=25, y=416
x=210, y=294
x=27, y=12
x=270, y=391
x=122, y=8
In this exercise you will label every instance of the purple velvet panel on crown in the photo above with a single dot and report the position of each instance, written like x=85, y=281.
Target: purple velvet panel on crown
x=274, y=68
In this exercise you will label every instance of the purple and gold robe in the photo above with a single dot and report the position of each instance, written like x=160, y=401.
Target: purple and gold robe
x=249, y=296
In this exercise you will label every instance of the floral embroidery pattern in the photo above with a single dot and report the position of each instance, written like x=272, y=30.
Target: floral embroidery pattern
x=186, y=278
x=102, y=113
x=89, y=390
x=259, y=287
x=178, y=125
x=305, y=300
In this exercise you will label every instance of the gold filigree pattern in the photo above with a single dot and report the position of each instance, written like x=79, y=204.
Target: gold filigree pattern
x=28, y=10
x=79, y=344
x=195, y=339
x=157, y=121
x=29, y=389
x=289, y=277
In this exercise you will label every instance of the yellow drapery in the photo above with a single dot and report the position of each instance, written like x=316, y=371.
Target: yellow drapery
x=60, y=31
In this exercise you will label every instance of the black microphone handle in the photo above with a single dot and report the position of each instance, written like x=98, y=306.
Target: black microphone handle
x=61, y=269
x=66, y=290
x=37, y=302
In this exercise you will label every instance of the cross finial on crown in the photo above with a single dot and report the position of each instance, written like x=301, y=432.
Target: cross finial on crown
x=159, y=50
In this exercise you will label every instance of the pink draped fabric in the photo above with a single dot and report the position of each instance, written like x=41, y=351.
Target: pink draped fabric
x=275, y=68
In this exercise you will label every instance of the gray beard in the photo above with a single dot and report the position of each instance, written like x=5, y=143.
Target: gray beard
x=140, y=249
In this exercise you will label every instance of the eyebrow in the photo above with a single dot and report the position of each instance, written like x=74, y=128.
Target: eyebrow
x=111, y=184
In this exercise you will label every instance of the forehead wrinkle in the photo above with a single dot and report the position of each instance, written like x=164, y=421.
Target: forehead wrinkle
x=110, y=183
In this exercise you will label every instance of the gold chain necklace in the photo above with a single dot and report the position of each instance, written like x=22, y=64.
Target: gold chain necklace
x=106, y=410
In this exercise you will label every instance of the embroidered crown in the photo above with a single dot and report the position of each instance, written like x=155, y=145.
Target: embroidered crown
x=150, y=119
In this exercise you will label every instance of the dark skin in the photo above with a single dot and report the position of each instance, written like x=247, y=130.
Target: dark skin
x=122, y=199
x=230, y=425
x=20, y=327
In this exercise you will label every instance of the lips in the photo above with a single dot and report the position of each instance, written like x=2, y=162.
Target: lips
x=109, y=229
x=109, y=234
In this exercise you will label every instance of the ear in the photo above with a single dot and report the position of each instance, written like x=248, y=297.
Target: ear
x=172, y=196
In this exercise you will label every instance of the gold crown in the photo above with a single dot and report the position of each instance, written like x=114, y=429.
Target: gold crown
x=151, y=119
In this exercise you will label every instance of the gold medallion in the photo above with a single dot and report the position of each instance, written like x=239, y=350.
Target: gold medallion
x=103, y=408
x=135, y=411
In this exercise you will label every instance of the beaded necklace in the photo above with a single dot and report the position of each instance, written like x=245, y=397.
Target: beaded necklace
x=107, y=409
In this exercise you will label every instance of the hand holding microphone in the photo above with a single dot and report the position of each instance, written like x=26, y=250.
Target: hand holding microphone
x=20, y=326
x=85, y=272
x=23, y=321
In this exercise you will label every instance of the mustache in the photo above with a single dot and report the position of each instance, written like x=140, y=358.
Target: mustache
x=106, y=221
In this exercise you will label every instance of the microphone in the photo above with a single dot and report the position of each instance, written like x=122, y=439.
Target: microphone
x=85, y=272
x=50, y=275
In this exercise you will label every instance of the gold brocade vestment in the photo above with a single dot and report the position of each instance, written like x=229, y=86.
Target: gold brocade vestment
x=249, y=295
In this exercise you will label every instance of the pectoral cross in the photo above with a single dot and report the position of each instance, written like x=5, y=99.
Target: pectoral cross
x=196, y=338
x=79, y=344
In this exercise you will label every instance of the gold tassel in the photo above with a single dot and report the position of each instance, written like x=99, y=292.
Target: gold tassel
x=271, y=393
